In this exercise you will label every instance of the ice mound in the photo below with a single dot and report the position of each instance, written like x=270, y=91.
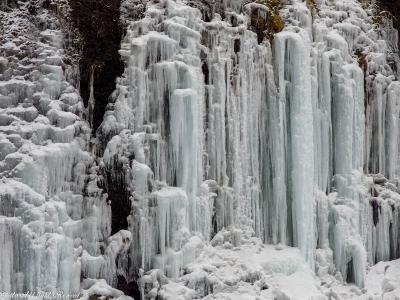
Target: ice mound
x=240, y=267
x=383, y=279
x=249, y=270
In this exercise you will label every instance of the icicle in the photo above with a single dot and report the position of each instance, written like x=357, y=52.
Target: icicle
x=293, y=65
x=186, y=143
x=91, y=101
x=9, y=254
x=392, y=130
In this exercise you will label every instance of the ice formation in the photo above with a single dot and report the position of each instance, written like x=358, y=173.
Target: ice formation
x=226, y=166
x=54, y=217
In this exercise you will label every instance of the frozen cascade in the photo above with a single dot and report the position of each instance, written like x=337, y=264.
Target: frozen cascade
x=186, y=143
x=174, y=106
x=219, y=139
x=272, y=138
x=294, y=85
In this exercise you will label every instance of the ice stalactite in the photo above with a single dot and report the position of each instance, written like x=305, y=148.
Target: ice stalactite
x=292, y=54
x=10, y=229
x=382, y=126
x=186, y=145
x=91, y=101
x=392, y=134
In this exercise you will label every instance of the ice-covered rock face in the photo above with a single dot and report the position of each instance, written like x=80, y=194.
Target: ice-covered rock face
x=274, y=138
x=54, y=220
x=221, y=137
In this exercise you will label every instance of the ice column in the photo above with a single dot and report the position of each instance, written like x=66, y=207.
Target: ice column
x=186, y=144
x=292, y=52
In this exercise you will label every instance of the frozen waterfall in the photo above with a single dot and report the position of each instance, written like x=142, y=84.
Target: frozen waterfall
x=271, y=138
x=213, y=139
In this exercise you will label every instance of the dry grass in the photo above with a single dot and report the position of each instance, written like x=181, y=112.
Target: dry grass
x=381, y=17
x=312, y=6
x=362, y=60
x=366, y=3
x=267, y=26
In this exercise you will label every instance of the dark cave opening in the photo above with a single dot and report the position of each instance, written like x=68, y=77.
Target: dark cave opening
x=118, y=195
x=375, y=211
x=101, y=32
x=129, y=288
x=350, y=272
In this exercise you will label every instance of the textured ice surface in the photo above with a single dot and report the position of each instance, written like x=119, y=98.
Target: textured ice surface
x=213, y=144
x=55, y=222
x=273, y=138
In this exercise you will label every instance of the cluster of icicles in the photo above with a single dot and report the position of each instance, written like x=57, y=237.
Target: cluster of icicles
x=272, y=138
x=210, y=129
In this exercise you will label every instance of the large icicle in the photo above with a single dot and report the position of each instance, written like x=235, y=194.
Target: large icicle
x=292, y=51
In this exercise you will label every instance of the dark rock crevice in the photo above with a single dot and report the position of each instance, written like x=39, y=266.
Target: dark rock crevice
x=114, y=184
x=392, y=6
x=101, y=32
x=129, y=288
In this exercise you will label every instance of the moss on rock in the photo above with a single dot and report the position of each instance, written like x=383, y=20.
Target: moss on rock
x=267, y=22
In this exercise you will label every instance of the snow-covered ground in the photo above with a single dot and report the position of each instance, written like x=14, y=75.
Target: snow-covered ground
x=236, y=267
